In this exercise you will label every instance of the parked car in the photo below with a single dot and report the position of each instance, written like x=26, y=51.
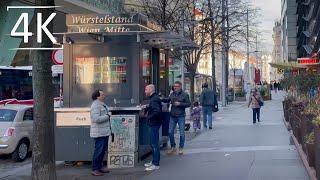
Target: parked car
x=16, y=129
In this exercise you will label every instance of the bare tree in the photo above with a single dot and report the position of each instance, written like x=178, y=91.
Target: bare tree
x=166, y=13
x=43, y=155
x=236, y=27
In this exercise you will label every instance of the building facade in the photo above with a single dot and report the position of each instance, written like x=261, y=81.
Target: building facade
x=276, y=52
x=288, y=30
x=308, y=25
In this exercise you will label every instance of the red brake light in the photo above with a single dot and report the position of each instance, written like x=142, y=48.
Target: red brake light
x=9, y=131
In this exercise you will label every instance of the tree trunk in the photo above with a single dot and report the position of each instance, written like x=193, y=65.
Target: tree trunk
x=228, y=45
x=43, y=155
x=192, y=76
x=213, y=57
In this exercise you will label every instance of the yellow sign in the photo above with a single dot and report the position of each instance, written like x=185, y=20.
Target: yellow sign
x=280, y=71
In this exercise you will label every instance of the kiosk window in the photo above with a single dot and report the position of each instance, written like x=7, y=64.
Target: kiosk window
x=102, y=70
x=163, y=75
x=146, y=67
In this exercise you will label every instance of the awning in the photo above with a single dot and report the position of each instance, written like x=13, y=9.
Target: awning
x=288, y=65
x=168, y=40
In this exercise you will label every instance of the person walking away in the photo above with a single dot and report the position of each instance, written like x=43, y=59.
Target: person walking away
x=275, y=85
x=196, y=115
x=207, y=101
x=154, y=122
x=100, y=131
x=255, y=101
x=179, y=101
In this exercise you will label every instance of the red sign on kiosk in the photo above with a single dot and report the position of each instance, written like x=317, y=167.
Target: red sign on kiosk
x=308, y=61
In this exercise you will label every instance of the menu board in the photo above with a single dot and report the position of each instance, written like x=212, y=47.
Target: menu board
x=100, y=70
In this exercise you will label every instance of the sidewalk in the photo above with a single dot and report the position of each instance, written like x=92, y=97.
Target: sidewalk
x=234, y=150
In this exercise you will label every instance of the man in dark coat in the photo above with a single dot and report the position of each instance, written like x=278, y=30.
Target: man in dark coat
x=154, y=122
x=179, y=102
x=208, y=101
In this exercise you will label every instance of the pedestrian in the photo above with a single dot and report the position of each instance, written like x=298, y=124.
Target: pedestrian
x=255, y=101
x=100, y=130
x=179, y=101
x=275, y=85
x=208, y=102
x=196, y=115
x=154, y=122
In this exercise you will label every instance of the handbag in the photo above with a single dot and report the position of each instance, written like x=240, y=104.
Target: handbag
x=215, y=108
x=259, y=102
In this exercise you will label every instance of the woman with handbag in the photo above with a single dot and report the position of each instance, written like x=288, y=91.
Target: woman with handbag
x=256, y=102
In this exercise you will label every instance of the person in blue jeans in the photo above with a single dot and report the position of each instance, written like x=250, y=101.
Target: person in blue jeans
x=154, y=122
x=179, y=102
x=208, y=101
x=100, y=130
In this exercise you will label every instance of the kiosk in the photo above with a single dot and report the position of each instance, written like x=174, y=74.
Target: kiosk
x=119, y=54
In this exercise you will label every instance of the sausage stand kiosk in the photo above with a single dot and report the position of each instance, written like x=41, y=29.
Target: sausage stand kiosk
x=119, y=54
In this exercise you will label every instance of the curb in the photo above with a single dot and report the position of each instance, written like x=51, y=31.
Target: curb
x=310, y=170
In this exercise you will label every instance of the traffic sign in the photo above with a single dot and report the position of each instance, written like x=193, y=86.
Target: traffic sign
x=57, y=69
x=57, y=57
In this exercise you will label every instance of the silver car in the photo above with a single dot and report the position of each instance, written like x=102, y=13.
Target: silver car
x=16, y=129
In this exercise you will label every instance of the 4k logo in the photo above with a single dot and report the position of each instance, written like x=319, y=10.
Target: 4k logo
x=41, y=27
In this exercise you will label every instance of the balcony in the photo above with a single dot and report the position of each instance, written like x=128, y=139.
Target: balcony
x=307, y=49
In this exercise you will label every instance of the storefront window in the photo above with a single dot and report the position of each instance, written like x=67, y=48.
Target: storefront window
x=146, y=67
x=100, y=70
x=163, y=83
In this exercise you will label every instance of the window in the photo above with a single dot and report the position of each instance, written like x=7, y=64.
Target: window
x=28, y=115
x=146, y=67
x=100, y=70
x=7, y=115
x=163, y=81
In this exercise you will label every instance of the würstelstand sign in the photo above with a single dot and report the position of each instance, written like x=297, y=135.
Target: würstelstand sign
x=109, y=23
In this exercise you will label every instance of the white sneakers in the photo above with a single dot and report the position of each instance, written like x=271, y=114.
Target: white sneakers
x=150, y=167
x=148, y=164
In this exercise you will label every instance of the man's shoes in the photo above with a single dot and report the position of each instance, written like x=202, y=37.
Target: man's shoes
x=96, y=173
x=152, y=168
x=148, y=164
x=105, y=170
x=210, y=127
x=180, y=151
x=171, y=151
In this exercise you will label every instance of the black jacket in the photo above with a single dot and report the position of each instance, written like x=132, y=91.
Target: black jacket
x=208, y=98
x=183, y=98
x=154, y=111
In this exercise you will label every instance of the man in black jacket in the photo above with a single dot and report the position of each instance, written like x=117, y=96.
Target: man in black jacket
x=208, y=100
x=179, y=102
x=154, y=122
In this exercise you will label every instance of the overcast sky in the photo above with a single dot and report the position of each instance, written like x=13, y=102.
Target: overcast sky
x=271, y=11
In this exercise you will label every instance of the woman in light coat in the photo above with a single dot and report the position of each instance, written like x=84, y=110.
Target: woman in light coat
x=254, y=99
x=100, y=131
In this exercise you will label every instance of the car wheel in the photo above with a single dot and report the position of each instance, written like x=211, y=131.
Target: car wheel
x=21, y=152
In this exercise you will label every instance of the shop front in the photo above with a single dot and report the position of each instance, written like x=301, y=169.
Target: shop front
x=119, y=54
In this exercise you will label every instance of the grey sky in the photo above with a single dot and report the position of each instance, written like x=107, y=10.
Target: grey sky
x=271, y=11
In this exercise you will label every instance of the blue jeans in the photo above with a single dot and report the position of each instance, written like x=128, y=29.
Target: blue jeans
x=172, y=126
x=100, y=147
x=256, y=114
x=207, y=116
x=155, y=145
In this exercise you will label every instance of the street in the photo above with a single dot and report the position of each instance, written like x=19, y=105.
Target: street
x=234, y=149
